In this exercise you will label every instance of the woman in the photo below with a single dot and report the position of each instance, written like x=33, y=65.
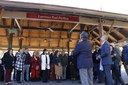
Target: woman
x=35, y=67
x=58, y=66
x=45, y=65
x=8, y=63
x=19, y=64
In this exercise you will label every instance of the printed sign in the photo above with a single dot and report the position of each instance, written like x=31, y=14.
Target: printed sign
x=52, y=17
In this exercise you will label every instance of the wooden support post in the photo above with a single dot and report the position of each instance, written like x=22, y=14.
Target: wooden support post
x=68, y=42
x=62, y=27
x=39, y=45
x=10, y=40
x=82, y=28
x=100, y=28
x=19, y=34
x=20, y=42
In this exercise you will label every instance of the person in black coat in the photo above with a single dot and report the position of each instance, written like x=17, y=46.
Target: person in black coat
x=1, y=71
x=115, y=54
x=73, y=66
x=8, y=64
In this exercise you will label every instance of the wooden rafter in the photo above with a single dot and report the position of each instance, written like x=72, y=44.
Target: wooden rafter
x=109, y=36
x=120, y=34
x=73, y=27
x=19, y=26
x=93, y=28
x=111, y=27
x=115, y=30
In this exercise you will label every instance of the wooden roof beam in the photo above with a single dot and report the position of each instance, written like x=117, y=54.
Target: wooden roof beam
x=93, y=28
x=114, y=30
x=111, y=27
x=35, y=28
x=82, y=20
x=36, y=47
x=98, y=36
x=3, y=36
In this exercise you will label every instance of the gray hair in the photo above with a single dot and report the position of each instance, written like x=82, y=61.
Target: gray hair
x=105, y=37
x=84, y=35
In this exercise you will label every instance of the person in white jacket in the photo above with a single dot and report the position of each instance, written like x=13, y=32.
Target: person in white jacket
x=45, y=65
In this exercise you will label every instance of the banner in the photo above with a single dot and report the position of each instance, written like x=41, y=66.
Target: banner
x=52, y=17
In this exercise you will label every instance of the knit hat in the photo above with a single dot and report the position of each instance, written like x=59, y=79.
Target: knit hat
x=83, y=35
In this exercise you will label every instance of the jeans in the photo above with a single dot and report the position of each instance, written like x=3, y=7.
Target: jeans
x=86, y=76
x=26, y=72
x=64, y=72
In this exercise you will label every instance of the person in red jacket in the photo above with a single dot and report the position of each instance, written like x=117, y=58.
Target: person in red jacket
x=35, y=67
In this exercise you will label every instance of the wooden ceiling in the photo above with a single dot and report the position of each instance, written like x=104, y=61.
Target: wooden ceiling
x=36, y=35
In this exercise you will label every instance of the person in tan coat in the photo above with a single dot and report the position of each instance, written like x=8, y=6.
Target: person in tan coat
x=58, y=66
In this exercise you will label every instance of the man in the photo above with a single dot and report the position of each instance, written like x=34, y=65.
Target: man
x=98, y=74
x=106, y=59
x=27, y=62
x=84, y=59
x=116, y=71
x=125, y=56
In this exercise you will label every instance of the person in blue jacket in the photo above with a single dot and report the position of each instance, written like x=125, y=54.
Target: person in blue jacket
x=83, y=52
x=106, y=59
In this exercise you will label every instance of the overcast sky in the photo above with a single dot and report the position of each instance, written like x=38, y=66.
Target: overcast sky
x=116, y=6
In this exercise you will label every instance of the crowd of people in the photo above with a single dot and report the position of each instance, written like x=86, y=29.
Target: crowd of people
x=25, y=68
x=115, y=61
x=82, y=63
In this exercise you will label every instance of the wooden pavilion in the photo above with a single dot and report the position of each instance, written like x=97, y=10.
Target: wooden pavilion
x=40, y=26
